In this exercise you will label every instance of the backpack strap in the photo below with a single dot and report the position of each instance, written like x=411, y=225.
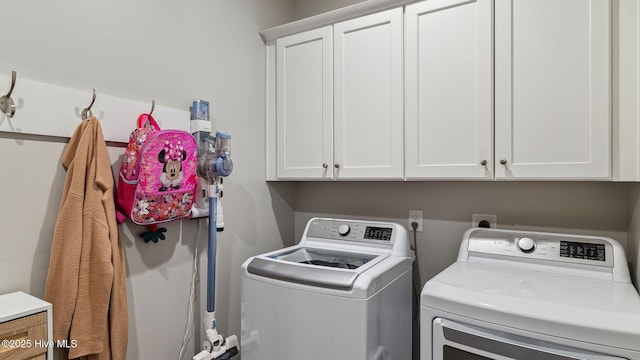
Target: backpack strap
x=146, y=120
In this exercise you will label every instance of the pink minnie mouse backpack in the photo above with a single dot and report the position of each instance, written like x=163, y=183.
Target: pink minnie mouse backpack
x=157, y=179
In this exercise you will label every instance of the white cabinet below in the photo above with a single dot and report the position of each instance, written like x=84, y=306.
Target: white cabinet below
x=26, y=324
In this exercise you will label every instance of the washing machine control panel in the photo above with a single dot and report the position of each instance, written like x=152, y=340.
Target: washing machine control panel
x=526, y=244
x=553, y=247
x=344, y=229
x=378, y=233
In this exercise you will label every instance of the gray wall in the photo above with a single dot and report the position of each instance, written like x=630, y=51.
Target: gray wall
x=633, y=235
x=173, y=52
x=574, y=207
x=306, y=8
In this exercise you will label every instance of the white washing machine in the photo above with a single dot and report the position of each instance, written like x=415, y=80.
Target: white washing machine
x=342, y=293
x=532, y=296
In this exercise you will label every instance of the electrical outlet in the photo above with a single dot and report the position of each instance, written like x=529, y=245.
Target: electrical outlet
x=415, y=215
x=492, y=219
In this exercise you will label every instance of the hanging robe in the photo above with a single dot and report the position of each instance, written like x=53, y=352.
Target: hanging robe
x=86, y=278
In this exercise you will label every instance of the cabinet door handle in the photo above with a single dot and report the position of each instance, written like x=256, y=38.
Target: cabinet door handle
x=503, y=162
x=483, y=162
x=337, y=166
x=324, y=165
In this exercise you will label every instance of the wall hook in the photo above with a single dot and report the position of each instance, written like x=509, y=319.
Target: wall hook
x=7, y=105
x=86, y=112
x=147, y=124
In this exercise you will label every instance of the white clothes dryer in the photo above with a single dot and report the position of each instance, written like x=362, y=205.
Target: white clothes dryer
x=531, y=296
x=342, y=293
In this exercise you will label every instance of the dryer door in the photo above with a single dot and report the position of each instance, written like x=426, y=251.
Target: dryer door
x=456, y=341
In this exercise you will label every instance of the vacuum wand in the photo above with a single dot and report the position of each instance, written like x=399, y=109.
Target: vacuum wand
x=214, y=163
x=211, y=270
x=216, y=347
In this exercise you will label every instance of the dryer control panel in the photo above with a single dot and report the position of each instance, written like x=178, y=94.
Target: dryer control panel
x=543, y=246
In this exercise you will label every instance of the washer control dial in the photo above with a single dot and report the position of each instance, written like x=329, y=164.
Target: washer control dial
x=526, y=244
x=344, y=229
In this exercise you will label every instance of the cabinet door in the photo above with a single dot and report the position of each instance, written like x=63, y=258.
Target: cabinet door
x=552, y=92
x=304, y=105
x=448, y=87
x=368, y=135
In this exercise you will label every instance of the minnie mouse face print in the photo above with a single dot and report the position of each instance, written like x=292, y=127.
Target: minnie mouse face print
x=171, y=156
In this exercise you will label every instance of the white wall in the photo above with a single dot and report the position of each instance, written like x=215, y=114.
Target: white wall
x=172, y=52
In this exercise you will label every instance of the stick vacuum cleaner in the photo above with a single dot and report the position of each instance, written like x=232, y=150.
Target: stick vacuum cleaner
x=214, y=163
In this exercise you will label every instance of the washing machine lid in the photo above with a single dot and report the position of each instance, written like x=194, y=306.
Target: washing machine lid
x=325, y=268
x=584, y=309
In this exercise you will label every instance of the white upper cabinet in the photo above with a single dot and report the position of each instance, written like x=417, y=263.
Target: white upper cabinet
x=368, y=97
x=552, y=89
x=448, y=89
x=458, y=89
x=339, y=100
x=304, y=105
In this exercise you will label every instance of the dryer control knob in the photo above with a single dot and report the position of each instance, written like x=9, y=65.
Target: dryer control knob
x=526, y=244
x=344, y=229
